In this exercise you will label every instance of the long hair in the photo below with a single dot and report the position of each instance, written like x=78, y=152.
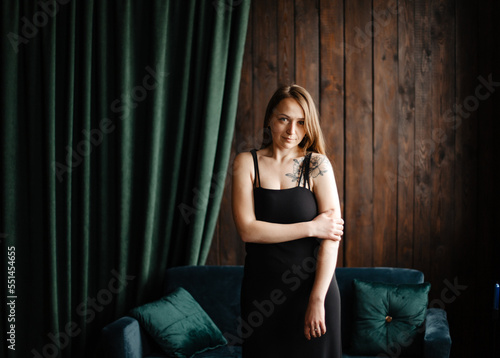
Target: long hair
x=313, y=140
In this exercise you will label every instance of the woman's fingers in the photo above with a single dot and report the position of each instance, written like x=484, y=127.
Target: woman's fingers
x=330, y=227
x=316, y=331
x=314, y=325
x=339, y=229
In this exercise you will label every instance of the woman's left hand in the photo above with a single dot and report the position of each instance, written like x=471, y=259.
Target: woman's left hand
x=314, y=325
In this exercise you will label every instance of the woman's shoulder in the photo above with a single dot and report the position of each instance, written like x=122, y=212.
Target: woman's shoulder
x=243, y=159
x=247, y=155
x=318, y=158
x=319, y=164
x=244, y=155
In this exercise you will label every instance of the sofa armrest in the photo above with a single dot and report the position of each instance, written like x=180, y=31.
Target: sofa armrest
x=122, y=339
x=437, y=340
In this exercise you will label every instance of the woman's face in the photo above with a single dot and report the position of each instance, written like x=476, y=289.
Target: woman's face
x=287, y=123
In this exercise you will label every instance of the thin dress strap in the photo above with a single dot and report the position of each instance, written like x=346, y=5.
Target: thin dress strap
x=256, y=168
x=305, y=170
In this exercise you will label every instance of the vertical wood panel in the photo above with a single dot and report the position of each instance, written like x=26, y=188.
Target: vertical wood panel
x=332, y=91
x=406, y=132
x=244, y=131
x=359, y=131
x=385, y=136
x=307, y=46
x=423, y=141
x=244, y=126
x=286, y=42
x=265, y=49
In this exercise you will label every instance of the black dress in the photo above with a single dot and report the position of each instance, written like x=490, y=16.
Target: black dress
x=278, y=279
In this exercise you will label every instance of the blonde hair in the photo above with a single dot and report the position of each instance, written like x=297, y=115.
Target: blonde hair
x=313, y=140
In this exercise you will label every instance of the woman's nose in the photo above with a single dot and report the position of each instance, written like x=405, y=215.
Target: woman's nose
x=291, y=128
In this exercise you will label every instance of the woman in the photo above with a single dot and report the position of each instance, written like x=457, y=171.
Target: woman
x=287, y=211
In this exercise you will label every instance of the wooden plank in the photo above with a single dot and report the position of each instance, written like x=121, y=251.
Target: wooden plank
x=358, y=132
x=286, y=43
x=307, y=46
x=332, y=92
x=443, y=156
x=406, y=132
x=264, y=49
x=246, y=123
x=423, y=141
x=385, y=131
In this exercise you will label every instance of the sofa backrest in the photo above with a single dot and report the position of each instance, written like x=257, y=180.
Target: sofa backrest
x=217, y=290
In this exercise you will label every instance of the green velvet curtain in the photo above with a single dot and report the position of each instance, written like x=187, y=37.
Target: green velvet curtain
x=116, y=124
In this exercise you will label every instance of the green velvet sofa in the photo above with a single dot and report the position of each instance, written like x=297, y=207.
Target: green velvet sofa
x=217, y=290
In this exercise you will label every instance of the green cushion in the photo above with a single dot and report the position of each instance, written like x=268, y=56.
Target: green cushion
x=388, y=318
x=179, y=325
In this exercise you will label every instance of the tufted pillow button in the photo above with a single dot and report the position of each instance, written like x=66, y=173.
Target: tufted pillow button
x=388, y=319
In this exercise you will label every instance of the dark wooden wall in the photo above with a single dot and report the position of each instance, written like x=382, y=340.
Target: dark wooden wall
x=411, y=130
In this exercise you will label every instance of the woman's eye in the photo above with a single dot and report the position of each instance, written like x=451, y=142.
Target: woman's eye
x=301, y=123
x=283, y=119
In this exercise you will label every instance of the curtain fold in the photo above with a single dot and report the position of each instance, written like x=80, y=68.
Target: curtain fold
x=116, y=124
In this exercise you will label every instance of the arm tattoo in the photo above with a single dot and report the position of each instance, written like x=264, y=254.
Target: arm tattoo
x=316, y=168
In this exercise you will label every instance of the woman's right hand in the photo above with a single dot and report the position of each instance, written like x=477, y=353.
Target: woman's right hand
x=328, y=227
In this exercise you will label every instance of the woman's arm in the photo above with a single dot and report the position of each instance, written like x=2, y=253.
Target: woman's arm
x=253, y=230
x=326, y=193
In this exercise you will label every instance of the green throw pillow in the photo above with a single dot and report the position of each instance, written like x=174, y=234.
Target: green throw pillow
x=388, y=318
x=179, y=325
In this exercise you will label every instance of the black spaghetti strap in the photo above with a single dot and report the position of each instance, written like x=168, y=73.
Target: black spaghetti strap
x=304, y=171
x=301, y=175
x=306, y=167
x=256, y=168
